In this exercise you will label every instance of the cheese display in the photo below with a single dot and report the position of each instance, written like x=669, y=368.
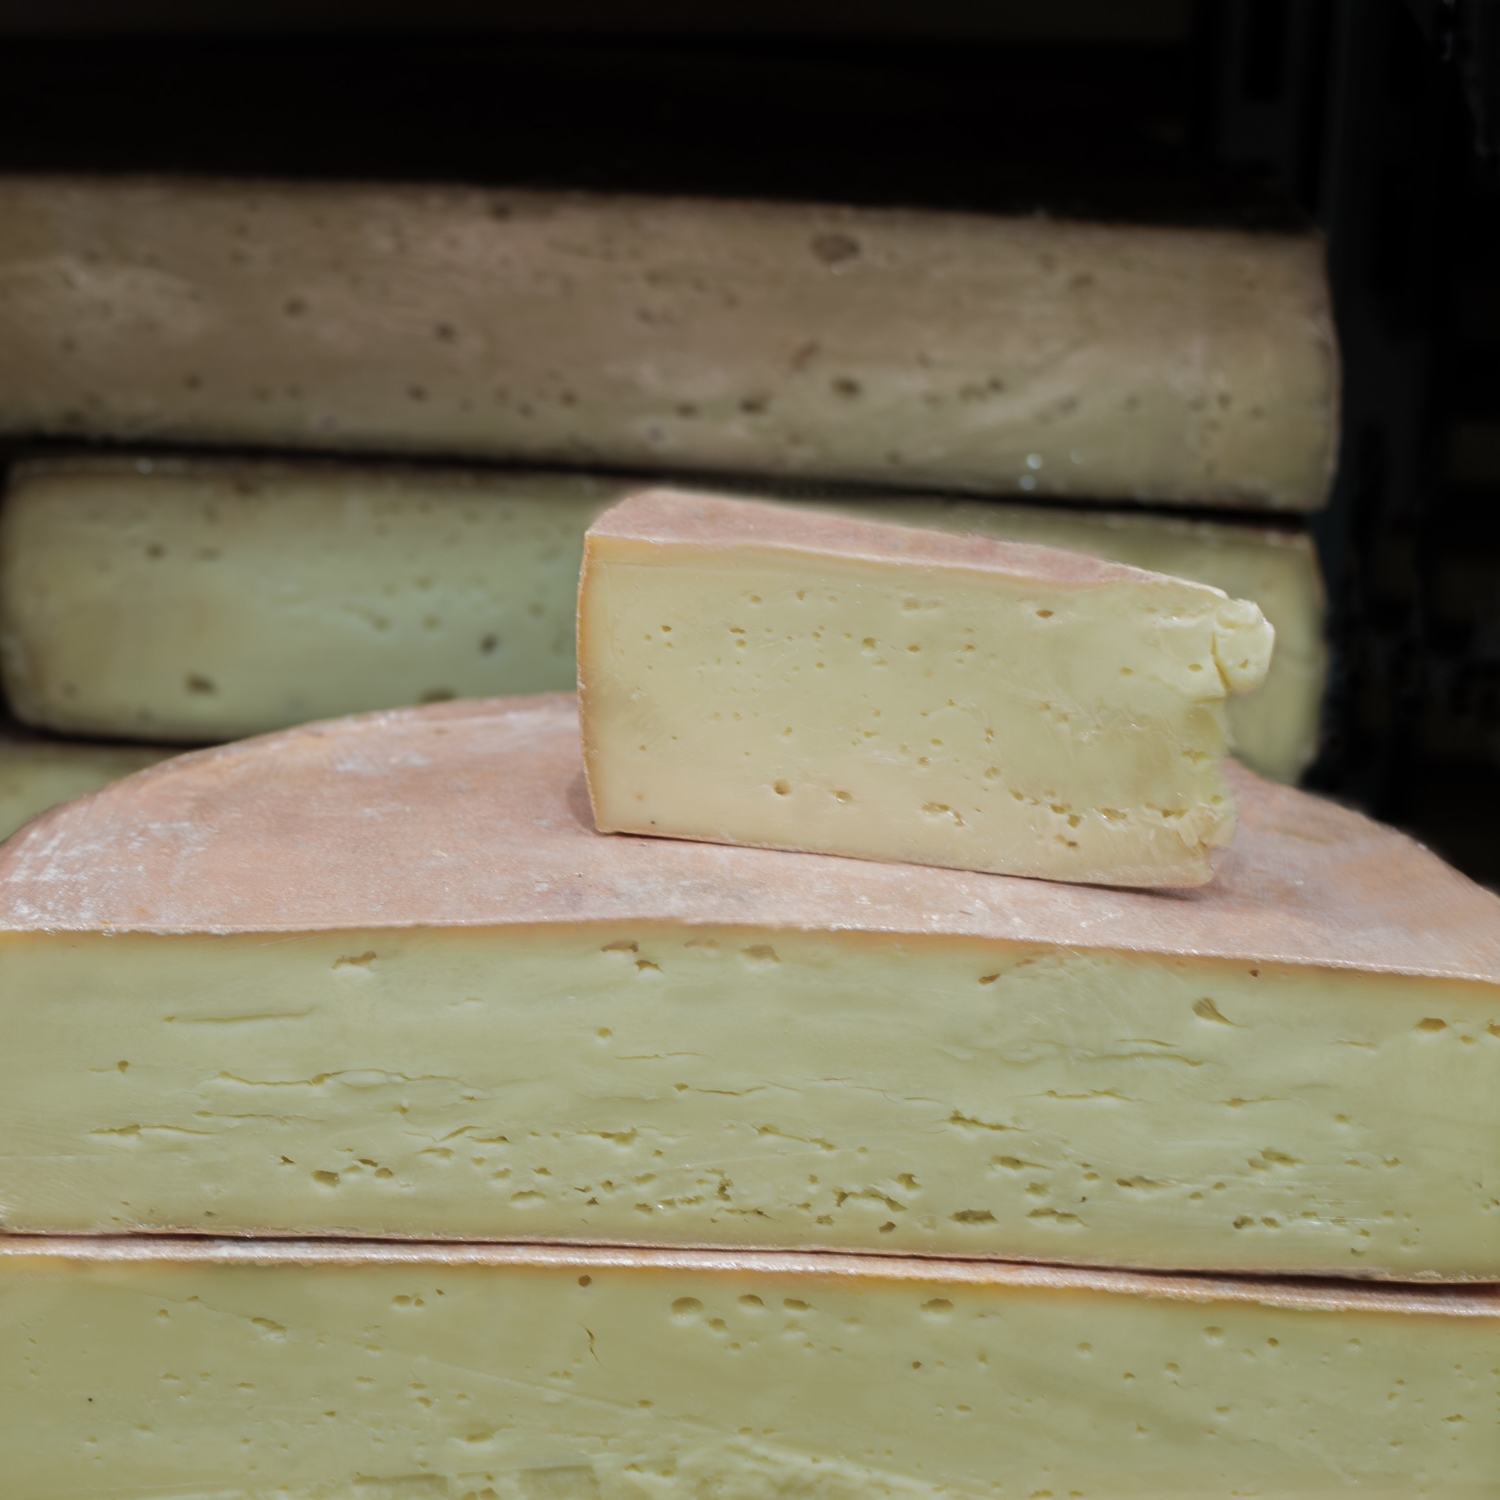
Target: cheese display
x=382, y=977
x=37, y=773
x=987, y=354
x=754, y=675
x=305, y=1372
x=203, y=600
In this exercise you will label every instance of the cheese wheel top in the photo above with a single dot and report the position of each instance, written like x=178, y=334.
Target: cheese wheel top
x=474, y=814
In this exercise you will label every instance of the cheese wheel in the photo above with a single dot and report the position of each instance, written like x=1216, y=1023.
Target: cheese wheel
x=203, y=1367
x=917, y=349
x=381, y=976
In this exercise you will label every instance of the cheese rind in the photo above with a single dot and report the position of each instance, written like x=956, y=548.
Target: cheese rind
x=36, y=774
x=753, y=675
x=205, y=600
x=381, y=977
x=209, y=601
x=307, y=1372
x=1191, y=366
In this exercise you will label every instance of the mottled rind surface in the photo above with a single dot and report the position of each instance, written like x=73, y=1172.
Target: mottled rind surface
x=982, y=354
x=474, y=814
x=202, y=600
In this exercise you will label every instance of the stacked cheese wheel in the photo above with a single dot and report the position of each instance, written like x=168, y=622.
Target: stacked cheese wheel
x=879, y=360
x=885, y=1049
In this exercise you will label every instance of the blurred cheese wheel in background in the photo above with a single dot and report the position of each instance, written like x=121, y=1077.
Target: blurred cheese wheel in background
x=924, y=349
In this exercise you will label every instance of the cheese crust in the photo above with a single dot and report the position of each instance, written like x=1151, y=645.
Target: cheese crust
x=984, y=354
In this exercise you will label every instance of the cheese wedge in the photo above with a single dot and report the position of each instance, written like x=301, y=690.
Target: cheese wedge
x=1192, y=366
x=1274, y=729
x=37, y=773
x=307, y=1371
x=207, y=600
x=750, y=675
x=382, y=977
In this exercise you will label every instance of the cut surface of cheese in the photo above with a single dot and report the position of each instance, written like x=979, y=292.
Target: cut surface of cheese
x=901, y=347
x=306, y=1372
x=754, y=675
x=1274, y=729
x=203, y=600
x=37, y=773
x=382, y=977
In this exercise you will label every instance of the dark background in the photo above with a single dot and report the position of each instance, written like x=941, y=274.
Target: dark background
x=1373, y=120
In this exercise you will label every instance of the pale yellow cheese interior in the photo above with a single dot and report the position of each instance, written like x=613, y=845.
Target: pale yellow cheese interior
x=198, y=601
x=36, y=774
x=798, y=695
x=1274, y=729
x=424, y=1380
x=686, y=1085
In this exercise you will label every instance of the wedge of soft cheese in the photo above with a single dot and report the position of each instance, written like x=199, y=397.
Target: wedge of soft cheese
x=205, y=600
x=1273, y=729
x=382, y=977
x=37, y=773
x=754, y=675
x=1193, y=366
x=242, y=1371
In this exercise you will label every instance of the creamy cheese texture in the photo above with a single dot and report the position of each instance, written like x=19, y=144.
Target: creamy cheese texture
x=197, y=601
x=753, y=675
x=317, y=1372
x=987, y=354
x=1273, y=729
x=382, y=977
x=37, y=773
